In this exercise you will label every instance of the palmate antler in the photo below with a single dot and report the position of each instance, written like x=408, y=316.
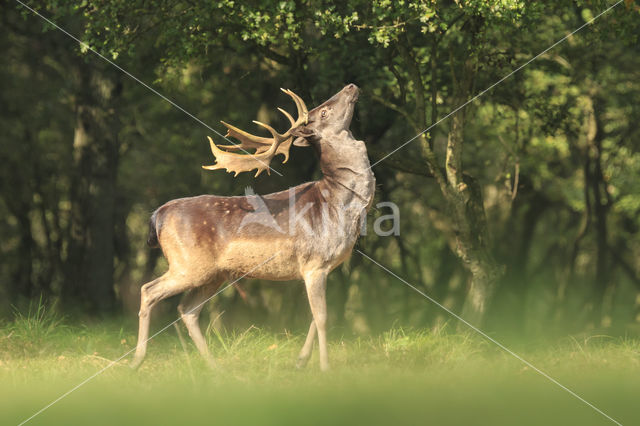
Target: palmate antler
x=265, y=148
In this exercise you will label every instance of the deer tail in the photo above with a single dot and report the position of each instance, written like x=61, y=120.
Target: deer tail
x=152, y=239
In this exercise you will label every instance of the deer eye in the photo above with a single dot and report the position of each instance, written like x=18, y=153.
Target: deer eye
x=323, y=113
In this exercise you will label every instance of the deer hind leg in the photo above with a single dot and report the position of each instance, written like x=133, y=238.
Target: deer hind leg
x=150, y=294
x=316, y=283
x=305, y=352
x=189, y=310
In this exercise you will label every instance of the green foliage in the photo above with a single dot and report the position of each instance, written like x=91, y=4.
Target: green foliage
x=30, y=330
x=525, y=141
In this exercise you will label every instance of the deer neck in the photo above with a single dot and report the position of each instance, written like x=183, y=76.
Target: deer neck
x=347, y=175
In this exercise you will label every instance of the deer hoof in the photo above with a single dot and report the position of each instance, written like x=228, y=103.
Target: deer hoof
x=211, y=363
x=301, y=362
x=137, y=362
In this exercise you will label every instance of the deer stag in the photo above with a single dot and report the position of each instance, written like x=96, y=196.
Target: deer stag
x=302, y=233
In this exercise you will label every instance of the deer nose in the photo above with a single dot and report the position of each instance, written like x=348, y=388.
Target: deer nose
x=351, y=87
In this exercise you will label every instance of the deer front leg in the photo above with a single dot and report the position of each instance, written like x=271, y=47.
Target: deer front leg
x=190, y=309
x=305, y=352
x=316, y=283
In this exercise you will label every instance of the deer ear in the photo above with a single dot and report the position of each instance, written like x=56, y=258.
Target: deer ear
x=302, y=132
x=301, y=142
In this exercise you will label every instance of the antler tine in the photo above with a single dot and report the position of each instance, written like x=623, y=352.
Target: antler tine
x=247, y=140
x=265, y=148
x=303, y=113
x=277, y=136
x=238, y=163
x=280, y=140
x=303, y=107
x=286, y=114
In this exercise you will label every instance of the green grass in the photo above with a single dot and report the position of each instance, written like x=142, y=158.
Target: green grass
x=400, y=377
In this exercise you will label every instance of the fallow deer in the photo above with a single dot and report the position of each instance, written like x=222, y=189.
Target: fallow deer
x=302, y=233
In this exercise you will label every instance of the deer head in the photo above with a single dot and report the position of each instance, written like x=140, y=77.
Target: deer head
x=326, y=122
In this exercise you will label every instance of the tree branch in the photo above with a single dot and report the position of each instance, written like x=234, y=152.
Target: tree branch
x=404, y=49
x=400, y=163
x=416, y=78
x=396, y=108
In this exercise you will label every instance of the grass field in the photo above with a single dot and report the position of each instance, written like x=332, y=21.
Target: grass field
x=400, y=377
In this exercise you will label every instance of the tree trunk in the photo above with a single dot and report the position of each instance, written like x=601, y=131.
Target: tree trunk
x=24, y=272
x=89, y=265
x=603, y=284
x=465, y=203
x=473, y=249
x=462, y=194
x=18, y=198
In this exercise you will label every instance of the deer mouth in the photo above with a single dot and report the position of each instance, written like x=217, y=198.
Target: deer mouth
x=355, y=92
x=351, y=91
